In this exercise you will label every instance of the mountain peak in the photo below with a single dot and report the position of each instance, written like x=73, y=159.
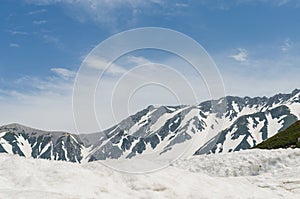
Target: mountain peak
x=15, y=126
x=295, y=91
x=225, y=125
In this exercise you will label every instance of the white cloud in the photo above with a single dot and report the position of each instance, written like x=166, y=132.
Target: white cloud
x=51, y=39
x=267, y=72
x=39, y=22
x=15, y=32
x=95, y=3
x=48, y=104
x=37, y=12
x=101, y=64
x=289, y=3
x=286, y=45
x=64, y=73
x=138, y=60
x=44, y=103
x=225, y=4
x=183, y=5
x=50, y=84
x=241, y=55
x=14, y=45
x=105, y=12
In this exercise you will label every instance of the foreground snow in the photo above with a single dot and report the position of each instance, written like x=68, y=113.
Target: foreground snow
x=247, y=174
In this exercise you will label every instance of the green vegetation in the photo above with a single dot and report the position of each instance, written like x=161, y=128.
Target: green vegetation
x=285, y=139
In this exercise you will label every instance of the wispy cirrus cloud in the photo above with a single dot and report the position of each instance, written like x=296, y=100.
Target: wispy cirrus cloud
x=241, y=55
x=223, y=4
x=15, y=32
x=114, y=13
x=39, y=22
x=287, y=44
x=184, y=5
x=64, y=73
x=51, y=39
x=41, y=102
x=102, y=11
x=139, y=60
x=286, y=3
x=14, y=45
x=37, y=12
x=104, y=65
x=267, y=71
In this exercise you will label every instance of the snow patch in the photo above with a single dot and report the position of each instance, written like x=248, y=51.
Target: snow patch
x=6, y=146
x=24, y=146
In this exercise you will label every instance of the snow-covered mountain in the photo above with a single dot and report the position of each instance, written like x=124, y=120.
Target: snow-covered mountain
x=29, y=142
x=225, y=125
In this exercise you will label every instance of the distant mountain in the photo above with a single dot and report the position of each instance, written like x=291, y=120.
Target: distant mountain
x=289, y=138
x=225, y=125
x=29, y=142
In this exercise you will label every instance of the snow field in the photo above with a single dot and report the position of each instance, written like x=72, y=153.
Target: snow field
x=246, y=174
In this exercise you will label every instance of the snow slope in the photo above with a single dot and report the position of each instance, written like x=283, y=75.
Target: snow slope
x=165, y=132
x=247, y=174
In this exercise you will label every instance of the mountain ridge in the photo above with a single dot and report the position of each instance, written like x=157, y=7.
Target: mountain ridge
x=224, y=125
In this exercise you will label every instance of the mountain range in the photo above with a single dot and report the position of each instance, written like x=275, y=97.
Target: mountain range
x=216, y=126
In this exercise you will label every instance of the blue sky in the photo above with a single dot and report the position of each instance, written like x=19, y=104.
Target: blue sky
x=255, y=44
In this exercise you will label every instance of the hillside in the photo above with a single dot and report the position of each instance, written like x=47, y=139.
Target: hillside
x=285, y=139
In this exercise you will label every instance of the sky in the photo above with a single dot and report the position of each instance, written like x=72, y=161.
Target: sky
x=255, y=45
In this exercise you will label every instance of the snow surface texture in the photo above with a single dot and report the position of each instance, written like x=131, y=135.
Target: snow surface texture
x=247, y=174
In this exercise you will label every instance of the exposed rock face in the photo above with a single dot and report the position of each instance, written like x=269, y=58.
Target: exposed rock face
x=225, y=125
